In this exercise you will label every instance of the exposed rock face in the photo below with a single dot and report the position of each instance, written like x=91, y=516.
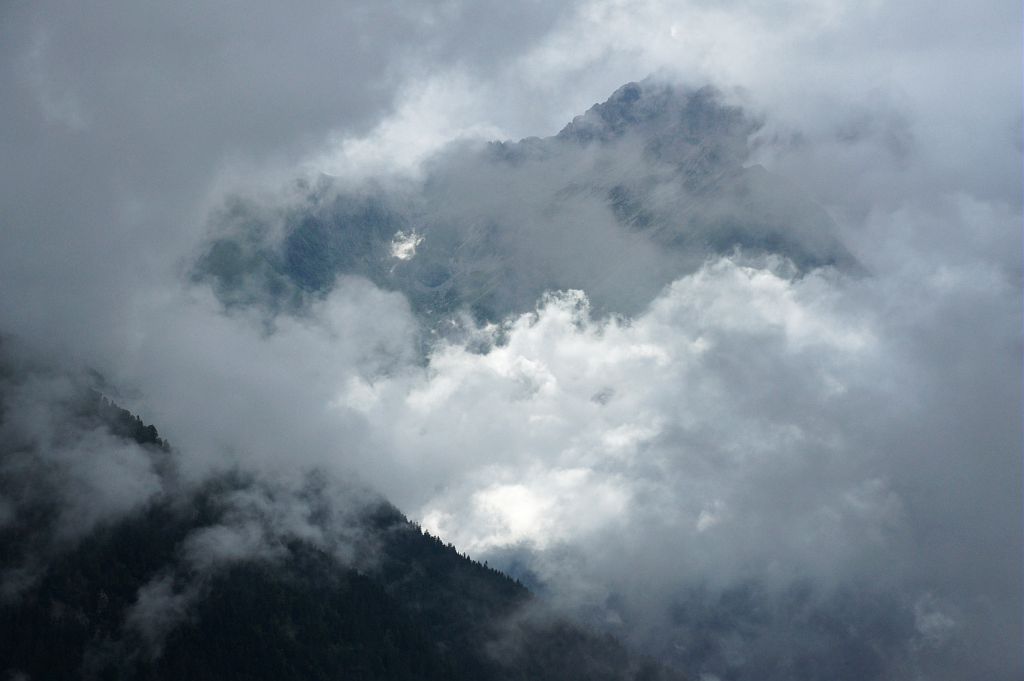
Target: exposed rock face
x=627, y=197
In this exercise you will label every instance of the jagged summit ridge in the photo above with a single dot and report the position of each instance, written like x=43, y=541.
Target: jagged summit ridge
x=654, y=180
x=665, y=112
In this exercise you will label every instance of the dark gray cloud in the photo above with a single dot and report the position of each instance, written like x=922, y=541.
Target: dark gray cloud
x=133, y=115
x=767, y=467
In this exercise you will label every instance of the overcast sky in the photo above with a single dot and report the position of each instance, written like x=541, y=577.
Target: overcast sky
x=856, y=434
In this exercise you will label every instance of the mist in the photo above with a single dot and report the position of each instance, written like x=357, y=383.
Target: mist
x=729, y=365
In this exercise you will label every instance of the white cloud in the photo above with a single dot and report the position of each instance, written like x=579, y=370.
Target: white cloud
x=744, y=423
x=697, y=365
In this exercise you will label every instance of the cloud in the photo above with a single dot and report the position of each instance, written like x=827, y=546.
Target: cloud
x=738, y=457
x=756, y=432
x=253, y=519
x=64, y=468
x=139, y=119
x=654, y=180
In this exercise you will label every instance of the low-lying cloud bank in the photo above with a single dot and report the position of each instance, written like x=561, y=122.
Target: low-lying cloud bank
x=756, y=470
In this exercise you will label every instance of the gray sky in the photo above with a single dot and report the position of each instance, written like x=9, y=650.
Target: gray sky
x=853, y=433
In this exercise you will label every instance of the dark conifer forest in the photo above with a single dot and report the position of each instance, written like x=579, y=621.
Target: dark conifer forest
x=416, y=609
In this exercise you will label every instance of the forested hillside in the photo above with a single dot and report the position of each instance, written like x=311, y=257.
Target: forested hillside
x=133, y=598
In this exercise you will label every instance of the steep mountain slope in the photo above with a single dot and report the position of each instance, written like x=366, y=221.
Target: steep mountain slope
x=220, y=581
x=625, y=199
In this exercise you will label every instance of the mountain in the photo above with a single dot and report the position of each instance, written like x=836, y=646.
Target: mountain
x=631, y=195
x=242, y=577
